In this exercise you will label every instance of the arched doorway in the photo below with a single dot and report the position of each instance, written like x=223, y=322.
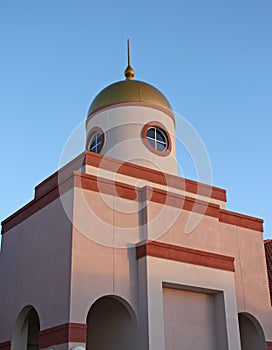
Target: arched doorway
x=26, y=331
x=251, y=333
x=111, y=324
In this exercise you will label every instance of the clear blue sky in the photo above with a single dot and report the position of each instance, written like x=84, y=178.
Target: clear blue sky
x=212, y=59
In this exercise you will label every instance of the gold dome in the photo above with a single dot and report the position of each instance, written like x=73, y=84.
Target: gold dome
x=129, y=90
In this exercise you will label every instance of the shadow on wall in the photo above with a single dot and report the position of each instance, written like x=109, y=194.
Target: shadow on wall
x=111, y=324
x=26, y=331
x=251, y=333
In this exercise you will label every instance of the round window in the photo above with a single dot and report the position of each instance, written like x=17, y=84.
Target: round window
x=96, y=142
x=157, y=138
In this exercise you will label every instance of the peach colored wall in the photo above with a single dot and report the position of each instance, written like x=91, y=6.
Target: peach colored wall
x=245, y=245
x=187, y=277
x=102, y=263
x=116, y=271
x=99, y=266
x=35, y=268
x=195, y=313
x=100, y=251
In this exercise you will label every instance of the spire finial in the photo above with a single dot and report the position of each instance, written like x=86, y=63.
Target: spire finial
x=129, y=72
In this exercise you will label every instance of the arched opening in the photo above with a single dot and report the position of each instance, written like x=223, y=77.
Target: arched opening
x=111, y=325
x=251, y=333
x=26, y=331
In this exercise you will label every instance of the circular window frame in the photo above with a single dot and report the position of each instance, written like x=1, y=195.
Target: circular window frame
x=94, y=131
x=163, y=129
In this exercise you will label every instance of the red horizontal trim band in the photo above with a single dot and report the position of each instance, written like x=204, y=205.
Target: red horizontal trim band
x=102, y=185
x=53, y=180
x=65, y=333
x=115, y=188
x=269, y=345
x=6, y=345
x=152, y=175
x=62, y=181
x=91, y=182
x=186, y=255
x=183, y=202
x=242, y=220
x=35, y=205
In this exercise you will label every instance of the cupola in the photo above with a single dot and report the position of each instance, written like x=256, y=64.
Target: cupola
x=133, y=121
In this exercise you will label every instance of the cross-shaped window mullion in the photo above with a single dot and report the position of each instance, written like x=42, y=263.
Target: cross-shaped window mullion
x=93, y=149
x=162, y=142
x=157, y=139
x=97, y=142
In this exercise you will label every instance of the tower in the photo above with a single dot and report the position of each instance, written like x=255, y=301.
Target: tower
x=101, y=259
x=133, y=121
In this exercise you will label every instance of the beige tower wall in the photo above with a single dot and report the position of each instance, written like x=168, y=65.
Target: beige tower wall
x=123, y=128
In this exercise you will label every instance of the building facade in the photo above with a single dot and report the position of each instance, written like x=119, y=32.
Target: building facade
x=102, y=257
